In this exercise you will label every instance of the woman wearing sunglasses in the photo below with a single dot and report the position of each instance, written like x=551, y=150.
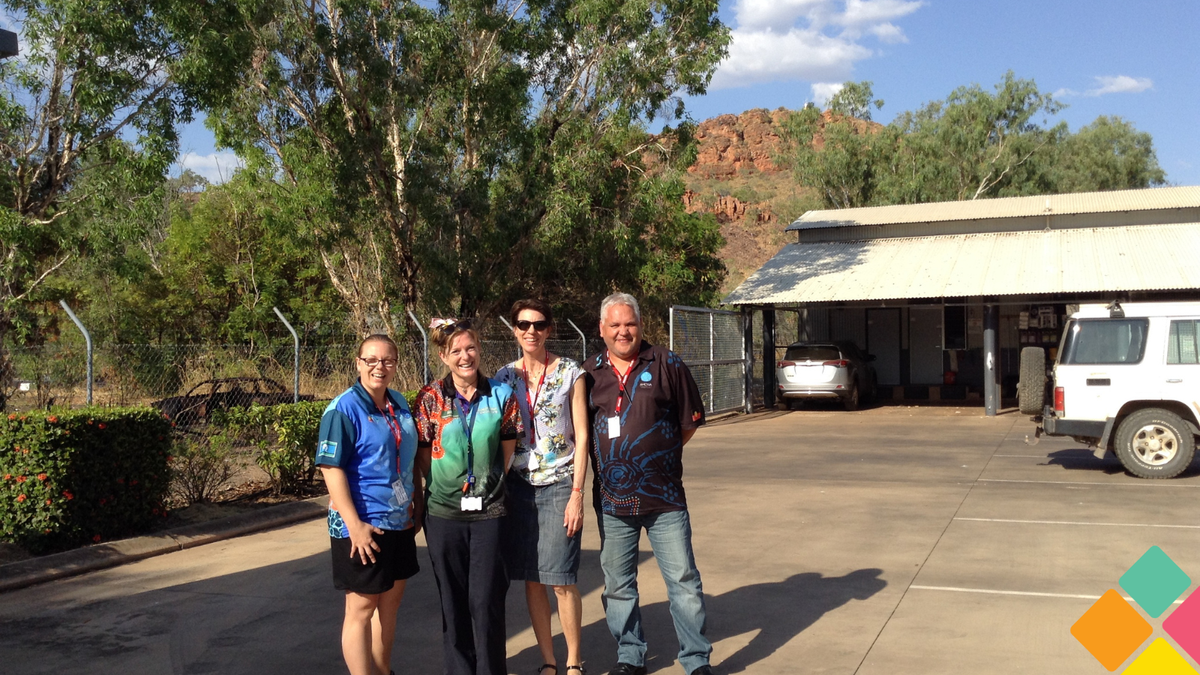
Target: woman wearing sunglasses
x=367, y=446
x=546, y=482
x=468, y=426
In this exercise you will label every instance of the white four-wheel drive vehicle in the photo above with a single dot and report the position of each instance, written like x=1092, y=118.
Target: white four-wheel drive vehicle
x=1126, y=380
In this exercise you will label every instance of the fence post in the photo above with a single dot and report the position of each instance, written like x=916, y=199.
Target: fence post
x=670, y=329
x=520, y=353
x=582, y=339
x=748, y=355
x=295, y=356
x=424, y=346
x=87, y=337
x=712, y=356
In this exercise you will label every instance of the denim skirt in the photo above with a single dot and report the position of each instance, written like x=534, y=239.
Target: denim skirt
x=536, y=545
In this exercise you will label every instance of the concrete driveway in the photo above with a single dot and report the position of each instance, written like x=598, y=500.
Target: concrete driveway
x=895, y=540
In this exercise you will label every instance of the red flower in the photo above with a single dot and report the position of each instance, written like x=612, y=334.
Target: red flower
x=47, y=531
x=8, y=476
x=96, y=539
x=121, y=481
x=89, y=422
x=20, y=498
x=102, y=425
x=66, y=433
x=68, y=495
x=47, y=502
x=170, y=458
x=102, y=501
x=52, y=419
x=160, y=438
x=133, y=482
x=42, y=476
x=20, y=479
x=12, y=417
x=24, y=451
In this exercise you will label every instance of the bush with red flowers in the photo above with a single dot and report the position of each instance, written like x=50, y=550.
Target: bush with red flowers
x=68, y=480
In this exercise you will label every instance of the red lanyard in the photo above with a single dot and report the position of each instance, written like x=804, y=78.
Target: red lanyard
x=620, y=380
x=533, y=424
x=393, y=424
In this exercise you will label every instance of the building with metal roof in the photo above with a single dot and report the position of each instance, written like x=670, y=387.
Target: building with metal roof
x=945, y=295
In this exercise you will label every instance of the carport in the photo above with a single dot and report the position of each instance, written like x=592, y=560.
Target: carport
x=945, y=295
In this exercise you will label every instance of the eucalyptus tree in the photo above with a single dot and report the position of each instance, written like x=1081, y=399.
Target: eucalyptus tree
x=99, y=88
x=440, y=154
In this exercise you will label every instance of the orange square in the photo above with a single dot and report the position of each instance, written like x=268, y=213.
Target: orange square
x=1111, y=630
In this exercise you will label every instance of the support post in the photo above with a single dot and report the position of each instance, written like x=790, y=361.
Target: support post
x=520, y=353
x=424, y=346
x=748, y=353
x=582, y=340
x=87, y=338
x=991, y=360
x=768, y=321
x=295, y=356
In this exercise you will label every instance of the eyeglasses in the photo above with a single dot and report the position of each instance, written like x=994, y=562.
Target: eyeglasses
x=371, y=362
x=539, y=326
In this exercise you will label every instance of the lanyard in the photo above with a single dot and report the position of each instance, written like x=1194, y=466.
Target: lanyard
x=621, y=381
x=393, y=424
x=533, y=401
x=463, y=405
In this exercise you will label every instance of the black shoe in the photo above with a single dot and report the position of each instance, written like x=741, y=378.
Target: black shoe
x=703, y=670
x=627, y=669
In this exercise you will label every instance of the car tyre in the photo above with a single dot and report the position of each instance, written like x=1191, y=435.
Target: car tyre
x=1155, y=443
x=850, y=402
x=1031, y=389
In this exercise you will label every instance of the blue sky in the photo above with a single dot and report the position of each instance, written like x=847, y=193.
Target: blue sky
x=1138, y=60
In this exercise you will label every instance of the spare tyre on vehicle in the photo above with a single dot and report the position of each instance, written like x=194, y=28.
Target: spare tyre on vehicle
x=1031, y=389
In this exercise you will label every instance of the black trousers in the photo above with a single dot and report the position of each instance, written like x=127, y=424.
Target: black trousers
x=472, y=583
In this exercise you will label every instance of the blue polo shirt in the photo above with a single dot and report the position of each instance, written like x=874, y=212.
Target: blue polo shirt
x=358, y=438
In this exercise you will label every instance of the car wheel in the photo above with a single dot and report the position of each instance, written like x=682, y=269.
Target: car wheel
x=1155, y=443
x=850, y=402
x=1031, y=389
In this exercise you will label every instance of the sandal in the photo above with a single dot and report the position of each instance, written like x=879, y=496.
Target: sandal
x=545, y=666
x=579, y=668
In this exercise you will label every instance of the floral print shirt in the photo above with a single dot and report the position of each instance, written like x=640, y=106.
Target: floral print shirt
x=546, y=451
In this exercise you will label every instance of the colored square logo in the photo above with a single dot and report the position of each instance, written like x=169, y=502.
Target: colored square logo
x=1155, y=581
x=1111, y=630
x=1160, y=659
x=1183, y=625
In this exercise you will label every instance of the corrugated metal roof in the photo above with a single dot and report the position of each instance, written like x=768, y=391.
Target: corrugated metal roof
x=1005, y=207
x=1085, y=260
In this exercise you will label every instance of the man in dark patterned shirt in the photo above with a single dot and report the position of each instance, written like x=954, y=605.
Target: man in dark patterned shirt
x=645, y=406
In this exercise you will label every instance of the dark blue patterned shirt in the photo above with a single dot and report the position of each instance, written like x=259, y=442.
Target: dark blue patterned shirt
x=640, y=471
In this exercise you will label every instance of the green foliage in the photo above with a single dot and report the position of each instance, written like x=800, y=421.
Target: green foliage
x=201, y=467
x=854, y=100
x=73, y=477
x=286, y=436
x=975, y=144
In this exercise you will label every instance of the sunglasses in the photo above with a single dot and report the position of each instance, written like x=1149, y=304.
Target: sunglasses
x=539, y=326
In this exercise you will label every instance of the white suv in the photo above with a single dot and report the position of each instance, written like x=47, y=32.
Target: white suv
x=1127, y=380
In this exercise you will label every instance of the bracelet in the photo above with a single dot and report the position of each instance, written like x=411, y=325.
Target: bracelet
x=575, y=489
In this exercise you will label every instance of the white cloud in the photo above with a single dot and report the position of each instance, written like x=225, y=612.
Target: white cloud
x=1120, y=84
x=823, y=91
x=889, y=33
x=217, y=167
x=815, y=40
x=763, y=56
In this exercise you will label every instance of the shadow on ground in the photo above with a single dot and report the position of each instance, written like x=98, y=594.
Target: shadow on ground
x=776, y=612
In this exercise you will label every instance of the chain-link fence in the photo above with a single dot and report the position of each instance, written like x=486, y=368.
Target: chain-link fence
x=712, y=343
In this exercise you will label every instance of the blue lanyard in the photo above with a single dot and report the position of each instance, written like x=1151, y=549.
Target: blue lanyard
x=468, y=427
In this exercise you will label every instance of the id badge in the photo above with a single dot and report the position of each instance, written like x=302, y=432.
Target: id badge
x=614, y=426
x=400, y=491
x=472, y=504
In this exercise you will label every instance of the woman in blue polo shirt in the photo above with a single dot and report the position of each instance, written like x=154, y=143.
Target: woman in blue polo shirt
x=368, y=443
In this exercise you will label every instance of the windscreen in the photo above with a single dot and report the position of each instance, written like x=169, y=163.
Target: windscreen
x=1104, y=341
x=813, y=353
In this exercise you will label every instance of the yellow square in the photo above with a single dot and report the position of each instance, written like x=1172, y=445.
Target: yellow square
x=1160, y=658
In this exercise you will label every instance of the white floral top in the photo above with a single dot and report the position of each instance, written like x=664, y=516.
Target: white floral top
x=553, y=458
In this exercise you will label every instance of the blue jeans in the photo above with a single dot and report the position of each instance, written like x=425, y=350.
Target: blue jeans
x=670, y=536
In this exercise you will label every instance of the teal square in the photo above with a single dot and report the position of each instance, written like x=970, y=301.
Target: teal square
x=1155, y=581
